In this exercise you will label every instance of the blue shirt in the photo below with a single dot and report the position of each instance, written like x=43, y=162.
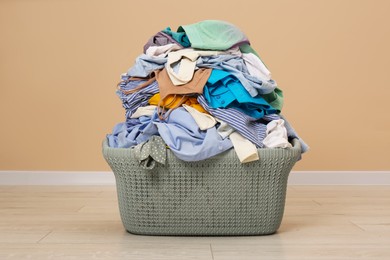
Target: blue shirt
x=132, y=132
x=182, y=135
x=224, y=90
x=145, y=65
x=179, y=131
x=236, y=66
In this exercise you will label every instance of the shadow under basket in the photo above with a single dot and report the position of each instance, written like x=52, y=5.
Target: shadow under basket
x=217, y=196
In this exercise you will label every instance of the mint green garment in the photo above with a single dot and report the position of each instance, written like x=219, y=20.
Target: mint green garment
x=213, y=35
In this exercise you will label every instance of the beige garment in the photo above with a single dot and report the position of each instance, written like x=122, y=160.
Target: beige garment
x=195, y=86
x=144, y=111
x=162, y=51
x=186, y=60
x=224, y=129
x=203, y=120
x=245, y=149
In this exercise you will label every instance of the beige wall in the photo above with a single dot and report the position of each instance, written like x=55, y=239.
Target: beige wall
x=60, y=61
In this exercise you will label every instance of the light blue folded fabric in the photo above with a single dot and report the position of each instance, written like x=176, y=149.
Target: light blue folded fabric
x=183, y=136
x=132, y=132
x=145, y=65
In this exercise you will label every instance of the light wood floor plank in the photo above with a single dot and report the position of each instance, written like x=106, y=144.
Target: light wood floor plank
x=83, y=222
x=104, y=251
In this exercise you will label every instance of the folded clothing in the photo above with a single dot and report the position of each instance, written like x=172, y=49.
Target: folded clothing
x=213, y=35
x=224, y=90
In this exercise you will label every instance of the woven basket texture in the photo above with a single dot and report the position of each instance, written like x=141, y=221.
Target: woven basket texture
x=217, y=196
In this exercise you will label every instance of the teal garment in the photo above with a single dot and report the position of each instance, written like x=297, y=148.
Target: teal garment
x=224, y=90
x=213, y=35
x=180, y=37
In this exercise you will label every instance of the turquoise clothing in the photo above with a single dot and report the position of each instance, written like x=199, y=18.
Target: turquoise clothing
x=180, y=37
x=223, y=90
x=213, y=35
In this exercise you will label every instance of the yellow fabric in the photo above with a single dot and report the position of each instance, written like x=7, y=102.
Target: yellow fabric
x=173, y=101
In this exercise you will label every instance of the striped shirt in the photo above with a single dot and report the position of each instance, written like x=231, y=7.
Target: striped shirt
x=132, y=101
x=252, y=129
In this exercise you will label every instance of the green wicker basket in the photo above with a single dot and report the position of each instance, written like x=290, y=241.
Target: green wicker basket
x=217, y=196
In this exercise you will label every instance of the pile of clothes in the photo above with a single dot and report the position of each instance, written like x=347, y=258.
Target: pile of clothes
x=200, y=91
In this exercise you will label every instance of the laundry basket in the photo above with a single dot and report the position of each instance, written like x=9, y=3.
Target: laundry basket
x=217, y=196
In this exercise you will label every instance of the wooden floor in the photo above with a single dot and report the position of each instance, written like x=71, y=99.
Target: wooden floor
x=83, y=222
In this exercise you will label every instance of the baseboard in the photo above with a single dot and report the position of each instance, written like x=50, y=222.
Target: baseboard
x=107, y=178
x=56, y=178
x=339, y=178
